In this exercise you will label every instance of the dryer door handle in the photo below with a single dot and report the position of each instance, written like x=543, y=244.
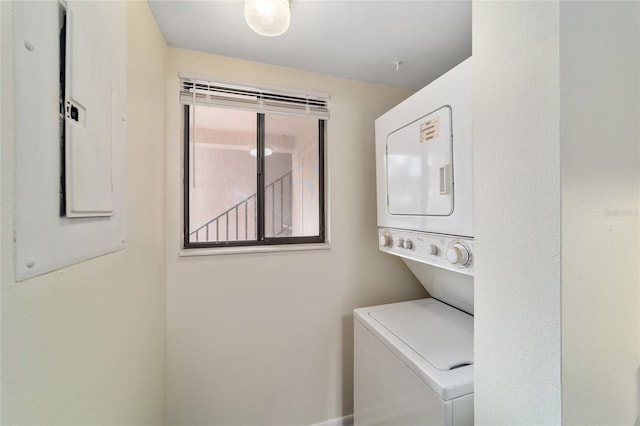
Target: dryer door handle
x=445, y=179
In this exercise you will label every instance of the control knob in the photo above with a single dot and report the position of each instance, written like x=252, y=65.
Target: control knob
x=432, y=249
x=458, y=254
x=400, y=242
x=385, y=240
x=408, y=244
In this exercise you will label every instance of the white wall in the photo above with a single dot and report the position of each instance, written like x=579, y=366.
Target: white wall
x=85, y=344
x=516, y=140
x=600, y=166
x=557, y=161
x=267, y=338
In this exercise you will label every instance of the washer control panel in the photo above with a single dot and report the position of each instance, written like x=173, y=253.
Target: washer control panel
x=444, y=251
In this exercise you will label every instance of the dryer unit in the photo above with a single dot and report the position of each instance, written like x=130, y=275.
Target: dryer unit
x=414, y=360
x=424, y=160
x=424, y=177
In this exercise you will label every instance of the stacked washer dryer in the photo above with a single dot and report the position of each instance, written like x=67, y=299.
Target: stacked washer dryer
x=414, y=360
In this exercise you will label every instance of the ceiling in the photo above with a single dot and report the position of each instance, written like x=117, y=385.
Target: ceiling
x=355, y=39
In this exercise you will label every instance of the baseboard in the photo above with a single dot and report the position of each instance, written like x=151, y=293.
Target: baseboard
x=340, y=421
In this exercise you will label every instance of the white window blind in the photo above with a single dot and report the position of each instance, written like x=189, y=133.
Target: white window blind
x=202, y=92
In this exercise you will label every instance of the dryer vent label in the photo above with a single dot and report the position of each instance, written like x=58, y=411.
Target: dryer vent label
x=430, y=129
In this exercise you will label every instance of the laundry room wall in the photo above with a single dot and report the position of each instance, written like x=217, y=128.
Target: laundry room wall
x=516, y=104
x=557, y=163
x=85, y=344
x=266, y=338
x=600, y=166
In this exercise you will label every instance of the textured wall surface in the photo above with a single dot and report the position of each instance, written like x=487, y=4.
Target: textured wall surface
x=517, y=191
x=557, y=139
x=600, y=151
x=267, y=338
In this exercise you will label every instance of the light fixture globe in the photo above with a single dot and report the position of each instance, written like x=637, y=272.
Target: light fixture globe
x=267, y=17
x=267, y=151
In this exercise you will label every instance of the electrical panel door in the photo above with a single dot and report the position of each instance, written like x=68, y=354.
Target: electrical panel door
x=88, y=125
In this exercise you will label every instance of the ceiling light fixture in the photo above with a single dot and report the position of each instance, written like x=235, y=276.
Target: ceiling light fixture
x=267, y=151
x=267, y=17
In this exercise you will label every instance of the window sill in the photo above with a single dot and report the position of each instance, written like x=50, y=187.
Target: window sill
x=252, y=249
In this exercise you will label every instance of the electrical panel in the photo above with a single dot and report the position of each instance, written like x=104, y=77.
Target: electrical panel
x=70, y=132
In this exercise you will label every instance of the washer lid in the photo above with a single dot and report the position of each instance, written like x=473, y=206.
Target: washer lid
x=441, y=335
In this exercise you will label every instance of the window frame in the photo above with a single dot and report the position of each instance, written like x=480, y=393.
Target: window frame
x=262, y=240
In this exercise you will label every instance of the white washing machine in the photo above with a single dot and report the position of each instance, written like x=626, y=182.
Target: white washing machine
x=414, y=364
x=413, y=361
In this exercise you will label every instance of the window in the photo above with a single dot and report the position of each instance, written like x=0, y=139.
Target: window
x=253, y=166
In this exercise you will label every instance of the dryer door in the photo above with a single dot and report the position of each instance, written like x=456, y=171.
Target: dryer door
x=420, y=166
